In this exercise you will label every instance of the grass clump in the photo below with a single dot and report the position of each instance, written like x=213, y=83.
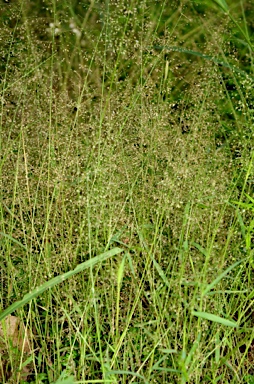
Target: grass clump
x=126, y=192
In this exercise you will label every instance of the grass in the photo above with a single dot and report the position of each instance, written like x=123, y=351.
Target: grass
x=126, y=192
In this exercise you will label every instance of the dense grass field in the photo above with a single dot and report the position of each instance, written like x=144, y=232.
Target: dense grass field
x=126, y=209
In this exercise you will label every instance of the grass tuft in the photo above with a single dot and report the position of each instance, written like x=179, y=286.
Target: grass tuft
x=126, y=192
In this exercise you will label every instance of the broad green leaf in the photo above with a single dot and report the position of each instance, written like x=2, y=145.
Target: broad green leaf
x=215, y=319
x=57, y=280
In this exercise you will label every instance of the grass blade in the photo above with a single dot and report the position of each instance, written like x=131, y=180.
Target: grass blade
x=215, y=319
x=126, y=373
x=201, y=249
x=160, y=272
x=222, y=4
x=68, y=380
x=218, y=279
x=13, y=240
x=57, y=280
x=199, y=54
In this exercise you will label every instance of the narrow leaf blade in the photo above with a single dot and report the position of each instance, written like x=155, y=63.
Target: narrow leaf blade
x=215, y=319
x=160, y=272
x=222, y=4
x=218, y=279
x=57, y=280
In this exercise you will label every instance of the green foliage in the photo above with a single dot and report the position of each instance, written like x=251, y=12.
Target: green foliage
x=215, y=318
x=58, y=280
x=130, y=124
x=222, y=4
